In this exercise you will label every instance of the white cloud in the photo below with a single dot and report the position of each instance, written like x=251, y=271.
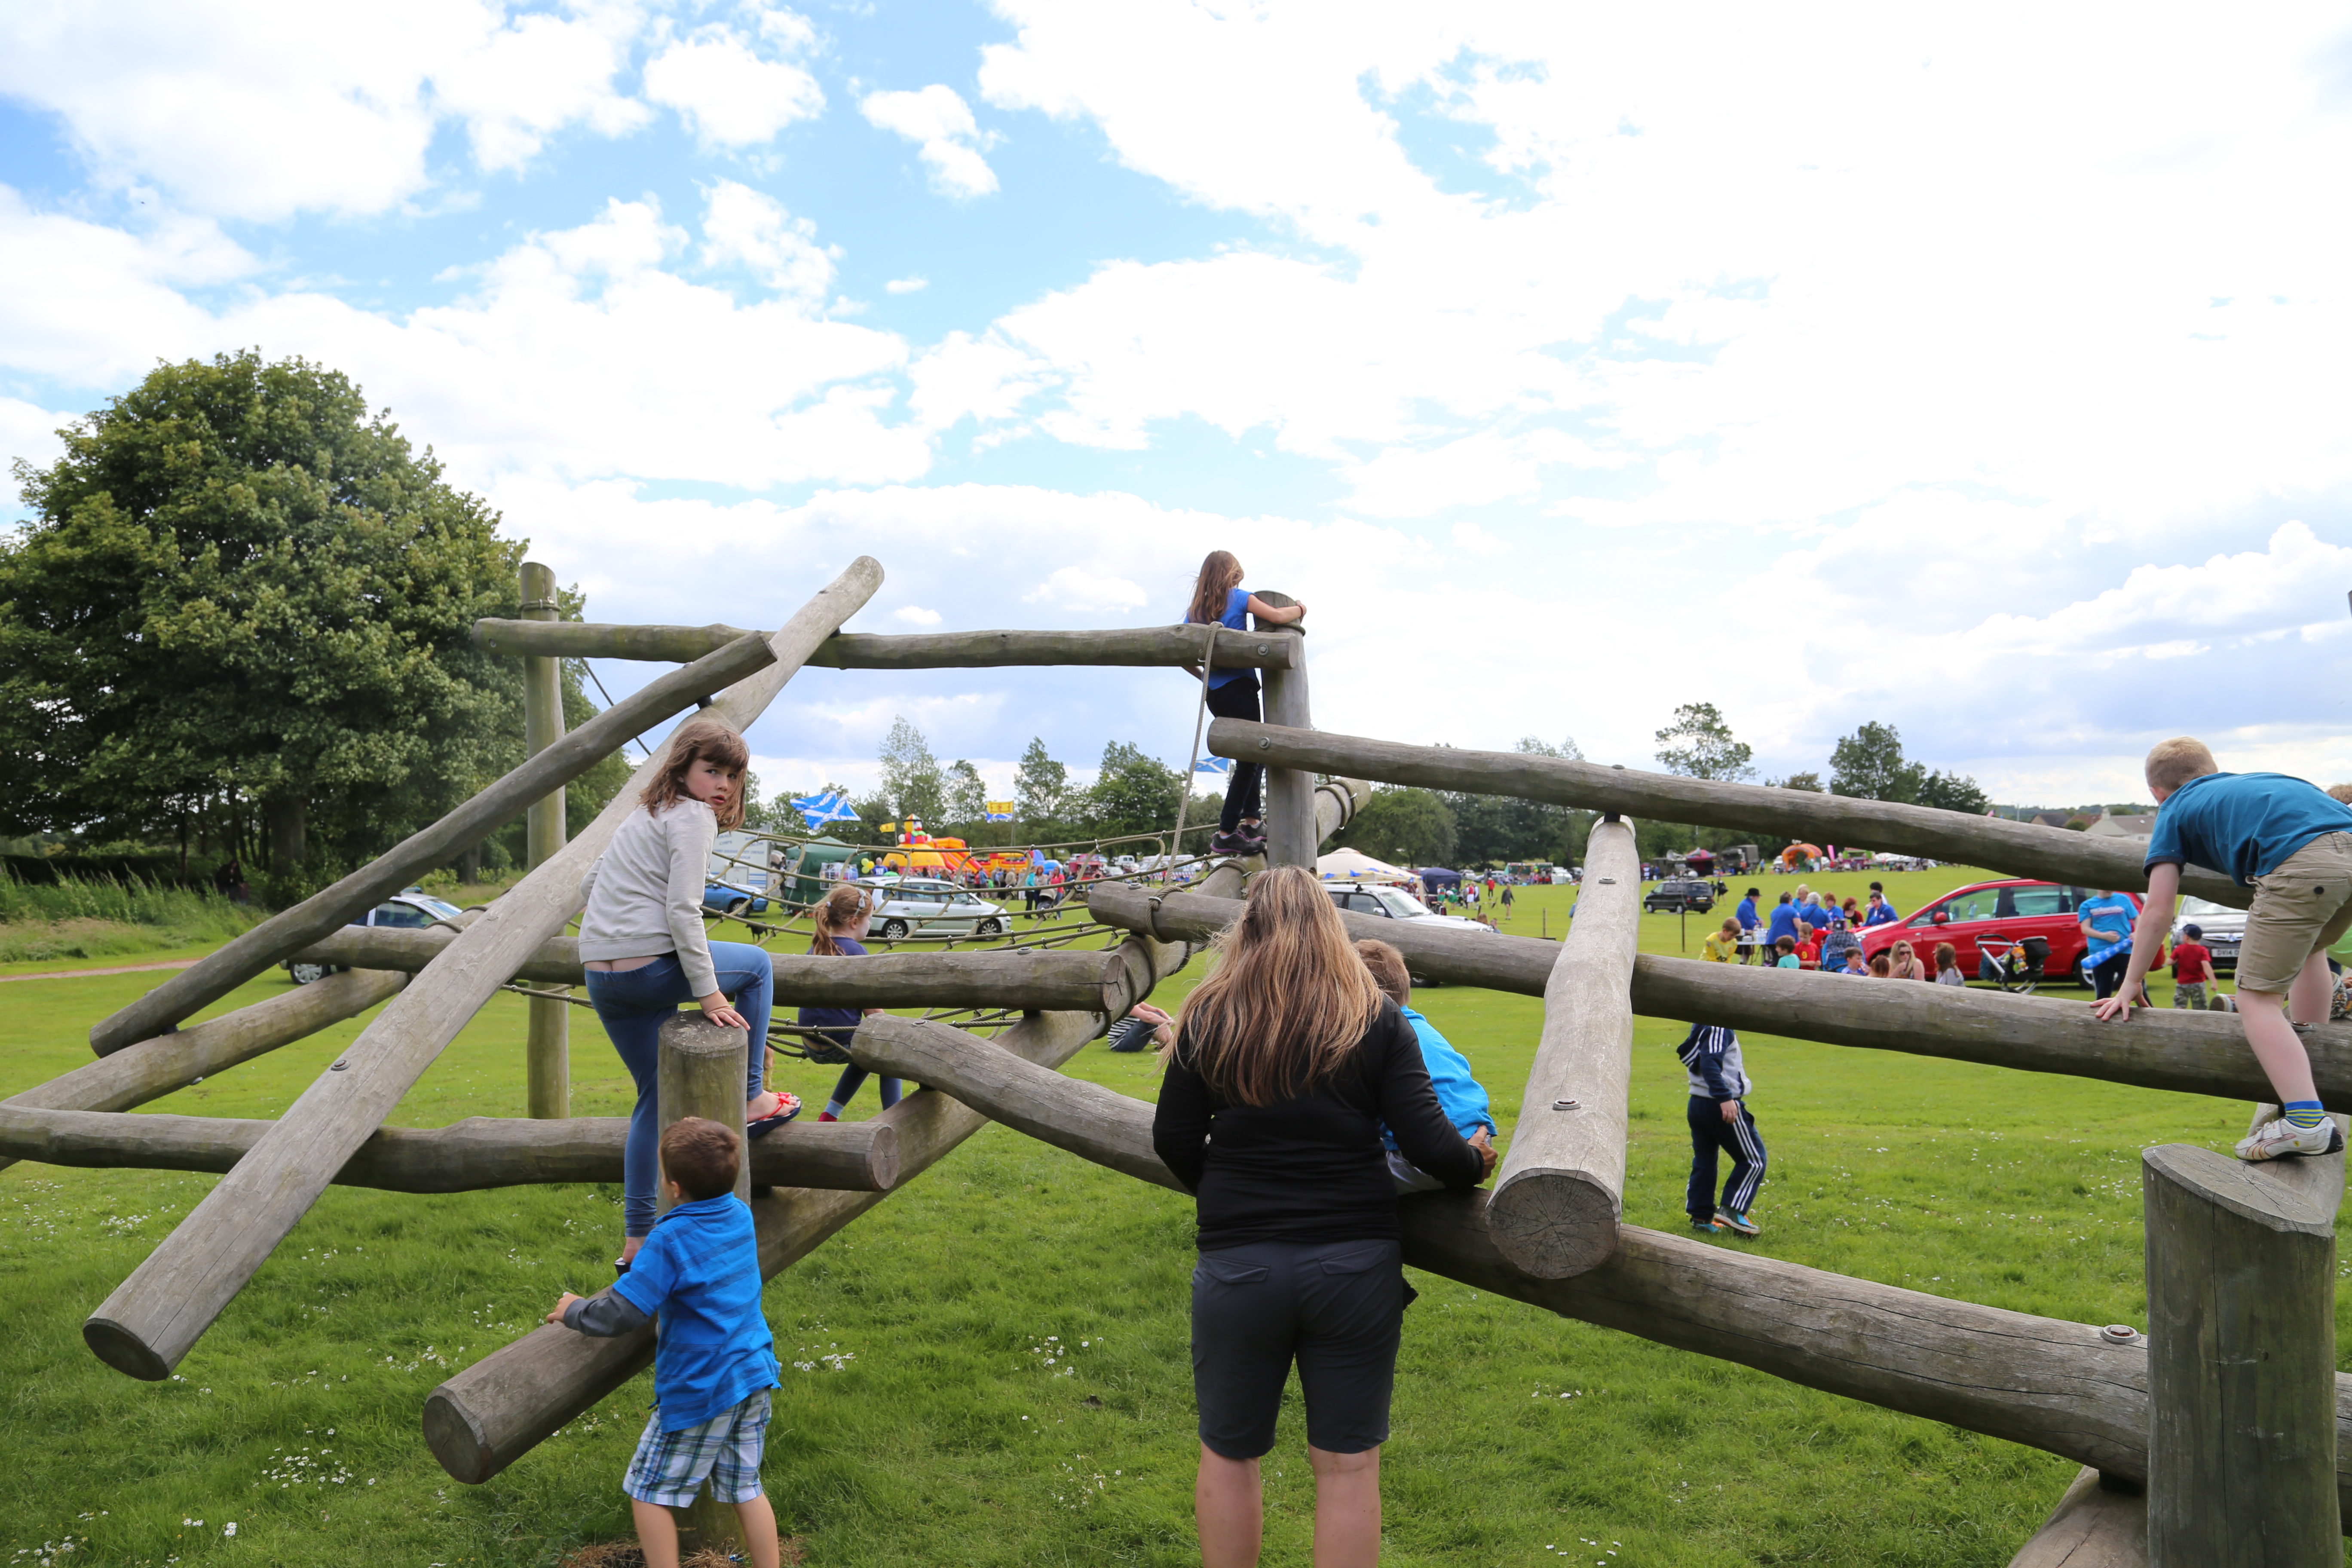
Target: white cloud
x=745, y=227
x=30, y=433
x=907, y=285
x=949, y=140
x=720, y=83
x=1075, y=588
x=916, y=615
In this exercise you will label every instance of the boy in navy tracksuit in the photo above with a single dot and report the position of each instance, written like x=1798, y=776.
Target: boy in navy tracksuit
x=1719, y=1120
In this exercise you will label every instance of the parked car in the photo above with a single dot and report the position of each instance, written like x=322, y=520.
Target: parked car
x=729, y=899
x=1396, y=904
x=2009, y=911
x=1698, y=897
x=921, y=906
x=2224, y=929
x=411, y=909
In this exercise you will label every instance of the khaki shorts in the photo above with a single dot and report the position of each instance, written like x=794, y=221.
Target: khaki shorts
x=2304, y=907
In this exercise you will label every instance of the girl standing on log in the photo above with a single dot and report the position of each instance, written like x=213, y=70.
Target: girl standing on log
x=841, y=918
x=1288, y=1062
x=642, y=942
x=1219, y=598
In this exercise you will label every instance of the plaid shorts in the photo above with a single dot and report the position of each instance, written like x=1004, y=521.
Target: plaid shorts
x=669, y=1465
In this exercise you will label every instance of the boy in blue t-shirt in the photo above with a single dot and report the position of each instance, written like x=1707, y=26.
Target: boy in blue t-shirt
x=1459, y=1093
x=714, y=1357
x=2292, y=845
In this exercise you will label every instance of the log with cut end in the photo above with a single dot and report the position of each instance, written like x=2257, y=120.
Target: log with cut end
x=2016, y=848
x=1291, y=832
x=289, y=931
x=2100, y=1522
x=1562, y=1185
x=150, y=1320
x=1031, y=979
x=498, y=1409
x=1135, y=645
x=2191, y=1052
x=465, y=1156
x=701, y=1070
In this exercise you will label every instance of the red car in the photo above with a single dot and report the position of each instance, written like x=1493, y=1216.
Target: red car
x=2012, y=908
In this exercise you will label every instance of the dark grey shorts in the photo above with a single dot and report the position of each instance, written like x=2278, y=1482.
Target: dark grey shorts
x=1336, y=1308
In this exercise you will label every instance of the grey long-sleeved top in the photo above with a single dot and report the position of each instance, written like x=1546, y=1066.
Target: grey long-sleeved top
x=643, y=895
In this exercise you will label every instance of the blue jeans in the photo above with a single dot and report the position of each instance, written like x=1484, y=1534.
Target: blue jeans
x=633, y=1004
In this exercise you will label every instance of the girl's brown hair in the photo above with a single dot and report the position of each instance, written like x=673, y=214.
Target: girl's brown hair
x=1288, y=999
x=1946, y=957
x=699, y=740
x=1219, y=575
x=837, y=911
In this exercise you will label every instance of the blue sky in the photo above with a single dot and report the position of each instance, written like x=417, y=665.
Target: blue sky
x=1976, y=375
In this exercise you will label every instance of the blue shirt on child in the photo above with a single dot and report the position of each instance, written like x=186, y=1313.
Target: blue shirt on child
x=2244, y=823
x=1236, y=615
x=846, y=1019
x=1459, y=1093
x=699, y=1273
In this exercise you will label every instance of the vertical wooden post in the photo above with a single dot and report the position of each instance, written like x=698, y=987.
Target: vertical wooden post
x=548, y=1051
x=700, y=1073
x=1560, y=1188
x=1290, y=838
x=2241, y=1358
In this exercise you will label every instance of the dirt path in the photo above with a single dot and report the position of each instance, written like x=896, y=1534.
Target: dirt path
x=121, y=969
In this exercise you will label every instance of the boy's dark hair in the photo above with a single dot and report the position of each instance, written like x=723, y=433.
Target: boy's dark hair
x=1878, y=887
x=1786, y=944
x=1387, y=966
x=700, y=1156
x=1784, y=898
x=2194, y=933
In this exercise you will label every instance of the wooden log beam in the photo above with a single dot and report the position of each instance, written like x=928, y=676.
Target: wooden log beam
x=154, y=1068
x=2018, y=849
x=1135, y=645
x=699, y=1070
x=2242, y=1460
x=2190, y=1052
x=1560, y=1188
x=1291, y=838
x=547, y=1052
x=466, y=1156
x=289, y=931
x=1036, y=980
x=154, y=1317
x=2100, y=1522
x=498, y=1409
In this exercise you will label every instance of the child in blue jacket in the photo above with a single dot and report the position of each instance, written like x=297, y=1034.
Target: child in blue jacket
x=1459, y=1093
x=714, y=1357
x=1719, y=1122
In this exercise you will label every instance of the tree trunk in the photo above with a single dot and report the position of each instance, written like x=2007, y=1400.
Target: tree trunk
x=288, y=816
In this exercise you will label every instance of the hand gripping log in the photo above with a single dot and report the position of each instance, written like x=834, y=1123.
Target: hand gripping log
x=151, y=1320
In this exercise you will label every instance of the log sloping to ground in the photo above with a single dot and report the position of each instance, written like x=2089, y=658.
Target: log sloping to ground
x=2192, y=1052
x=2017, y=848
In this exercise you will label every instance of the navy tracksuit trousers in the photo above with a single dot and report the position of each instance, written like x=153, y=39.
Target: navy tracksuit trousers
x=1710, y=1133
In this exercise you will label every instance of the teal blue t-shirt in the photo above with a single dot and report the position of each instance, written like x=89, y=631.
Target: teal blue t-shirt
x=699, y=1273
x=2111, y=916
x=2244, y=823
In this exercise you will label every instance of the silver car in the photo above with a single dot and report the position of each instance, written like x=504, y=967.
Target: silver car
x=1396, y=904
x=409, y=911
x=2224, y=930
x=919, y=906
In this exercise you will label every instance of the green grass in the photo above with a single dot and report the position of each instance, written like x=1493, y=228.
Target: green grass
x=942, y=1436
x=42, y=924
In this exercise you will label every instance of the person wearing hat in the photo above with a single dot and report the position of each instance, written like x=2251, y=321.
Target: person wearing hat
x=2193, y=968
x=1840, y=942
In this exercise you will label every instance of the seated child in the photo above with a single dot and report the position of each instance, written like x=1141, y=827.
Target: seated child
x=1722, y=946
x=1808, y=950
x=1840, y=942
x=1459, y=1093
x=2193, y=968
x=1947, y=965
x=1143, y=1026
x=1881, y=965
x=1854, y=964
x=1786, y=949
x=697, y=1276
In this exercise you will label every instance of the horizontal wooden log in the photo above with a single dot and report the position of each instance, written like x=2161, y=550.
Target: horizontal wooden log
x=283, y=934
x=1033, y=979
x=154, y=1068
x=1143, y=645
x=154, y=1317
x=2016, y=848
x=466, y=1156
x=2161, y=1047
x=2098, y=1523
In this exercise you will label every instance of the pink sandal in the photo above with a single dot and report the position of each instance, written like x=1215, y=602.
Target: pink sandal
x=788, y=1106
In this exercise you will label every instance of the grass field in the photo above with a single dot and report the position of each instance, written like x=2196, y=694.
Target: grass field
x=992, y=1368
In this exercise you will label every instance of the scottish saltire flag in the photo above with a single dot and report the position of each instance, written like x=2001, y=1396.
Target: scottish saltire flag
x=818, y=810
x=1000, y=811
x=1213, y=765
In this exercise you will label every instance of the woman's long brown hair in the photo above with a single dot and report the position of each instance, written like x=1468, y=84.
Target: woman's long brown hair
x=1288, y=999
x=837, y=911
x=1219, y=575
x=700, y=738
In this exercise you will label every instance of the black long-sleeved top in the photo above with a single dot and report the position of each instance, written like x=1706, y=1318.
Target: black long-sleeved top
x=1312, y=1167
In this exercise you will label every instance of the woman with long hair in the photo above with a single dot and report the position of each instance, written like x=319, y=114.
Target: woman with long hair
x=1219, y=598
x=1903, y=963
x=1287, y=1061
x=642, y=942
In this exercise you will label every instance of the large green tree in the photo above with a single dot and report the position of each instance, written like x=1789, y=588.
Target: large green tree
x=1411, y=827
x=240, y=593
x=1132, y=793
x=913, y=782
x=1869, y=764
x=1698, y=744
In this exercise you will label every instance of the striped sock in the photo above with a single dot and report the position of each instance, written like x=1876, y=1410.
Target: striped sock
x=2305, y=1114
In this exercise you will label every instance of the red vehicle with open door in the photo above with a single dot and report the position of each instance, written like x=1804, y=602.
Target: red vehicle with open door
x=2006, y=913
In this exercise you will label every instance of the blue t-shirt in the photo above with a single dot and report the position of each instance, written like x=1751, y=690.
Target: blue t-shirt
x=846, y=1018
x=1236, y=615
x=1815, y=916
x=2244, y=823
x=2111, y=916
x=1459, y=1093
x=1880, y=913
x=1747, y=914
x=699, y=1273
x=1784, y=923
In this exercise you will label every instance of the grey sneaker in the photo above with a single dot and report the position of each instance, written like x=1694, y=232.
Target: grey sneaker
x=2274, y=1140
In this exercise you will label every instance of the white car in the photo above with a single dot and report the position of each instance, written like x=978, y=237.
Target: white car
x=2224, y=929
x=411, y=909
x=1396, y=904
x=921, y=906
